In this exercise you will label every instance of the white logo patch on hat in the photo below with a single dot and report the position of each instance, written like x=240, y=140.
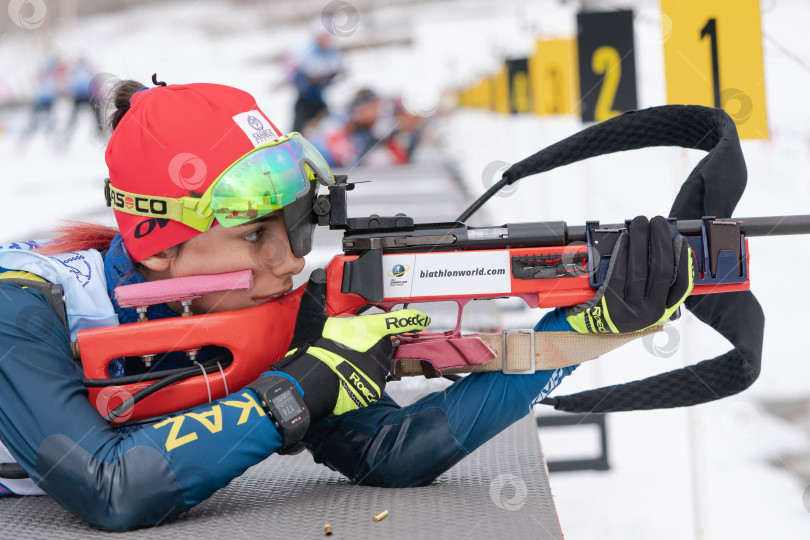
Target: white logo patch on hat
x=256, y=127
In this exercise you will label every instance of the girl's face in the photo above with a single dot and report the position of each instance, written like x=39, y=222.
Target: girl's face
x=261, y=246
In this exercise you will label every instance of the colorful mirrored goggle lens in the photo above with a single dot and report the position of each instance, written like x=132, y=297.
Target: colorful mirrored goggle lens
x=266, y=180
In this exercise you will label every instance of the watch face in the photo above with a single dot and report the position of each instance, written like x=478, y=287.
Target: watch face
x=287, y=406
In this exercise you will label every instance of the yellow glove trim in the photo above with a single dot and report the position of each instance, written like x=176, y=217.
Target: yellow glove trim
x=360, y=393
x=363, y=332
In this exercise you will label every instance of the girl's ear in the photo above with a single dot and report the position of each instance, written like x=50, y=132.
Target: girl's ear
x=158, y=262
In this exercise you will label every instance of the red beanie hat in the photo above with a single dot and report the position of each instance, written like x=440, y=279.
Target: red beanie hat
x=174, y=141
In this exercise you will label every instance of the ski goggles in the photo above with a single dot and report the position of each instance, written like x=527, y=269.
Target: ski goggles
x=262, y=181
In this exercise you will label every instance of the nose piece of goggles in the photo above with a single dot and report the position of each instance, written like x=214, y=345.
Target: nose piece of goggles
x=273, y=176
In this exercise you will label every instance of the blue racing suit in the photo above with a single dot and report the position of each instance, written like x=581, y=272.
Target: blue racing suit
x=142, y=475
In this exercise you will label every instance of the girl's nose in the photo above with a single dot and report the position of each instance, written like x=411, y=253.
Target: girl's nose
x=277, y=256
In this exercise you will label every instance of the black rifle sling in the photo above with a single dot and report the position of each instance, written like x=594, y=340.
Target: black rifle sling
x=713, y=188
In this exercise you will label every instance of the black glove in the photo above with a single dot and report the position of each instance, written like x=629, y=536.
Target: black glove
x=342, y=363
x=650, y=274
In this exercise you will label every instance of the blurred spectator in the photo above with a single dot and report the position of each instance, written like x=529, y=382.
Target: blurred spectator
x=49, y=80
x=84, y=90
x=405, y=133
x=5, y=94
x=373, y=131
x=312, y=72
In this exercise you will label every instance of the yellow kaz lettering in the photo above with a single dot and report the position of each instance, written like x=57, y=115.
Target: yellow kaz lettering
x=215, y=424
x=211, y=420
x=172, y=440
x=246, y=407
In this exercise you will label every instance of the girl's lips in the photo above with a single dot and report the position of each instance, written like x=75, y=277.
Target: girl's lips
x=269, y=297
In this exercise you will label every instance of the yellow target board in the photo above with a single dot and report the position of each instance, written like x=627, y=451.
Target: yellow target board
x=553, y=73
x=500, y=91
x=713, y=57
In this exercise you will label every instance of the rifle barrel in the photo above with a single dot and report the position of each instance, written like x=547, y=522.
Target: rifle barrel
x=753, y=226
x=775, y=225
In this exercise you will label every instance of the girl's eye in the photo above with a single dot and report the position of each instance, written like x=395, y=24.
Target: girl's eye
x=253, y=236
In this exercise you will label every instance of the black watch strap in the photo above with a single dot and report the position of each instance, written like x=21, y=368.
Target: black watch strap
x=285, y=407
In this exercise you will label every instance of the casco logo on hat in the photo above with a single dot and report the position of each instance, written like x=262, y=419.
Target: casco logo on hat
x=143, y=205
x=254, y=123
x=173, y=142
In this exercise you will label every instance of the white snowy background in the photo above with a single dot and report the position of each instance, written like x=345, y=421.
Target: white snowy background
x=726, y=470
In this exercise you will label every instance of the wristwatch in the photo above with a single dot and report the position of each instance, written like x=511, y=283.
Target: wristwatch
x=286, y=409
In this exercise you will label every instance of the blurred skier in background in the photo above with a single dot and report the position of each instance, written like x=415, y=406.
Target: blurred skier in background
x=84, y=91
x=312, y=72
x=5, y=95
x=49, y=80
x=373, y=131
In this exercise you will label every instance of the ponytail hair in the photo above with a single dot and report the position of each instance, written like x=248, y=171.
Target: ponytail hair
x=118, y=100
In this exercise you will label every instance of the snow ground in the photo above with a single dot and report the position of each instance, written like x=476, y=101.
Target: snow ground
x=718, y=471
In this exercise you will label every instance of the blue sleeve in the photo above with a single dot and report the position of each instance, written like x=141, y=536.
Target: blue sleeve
x=554, y=321
x=109, y=479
